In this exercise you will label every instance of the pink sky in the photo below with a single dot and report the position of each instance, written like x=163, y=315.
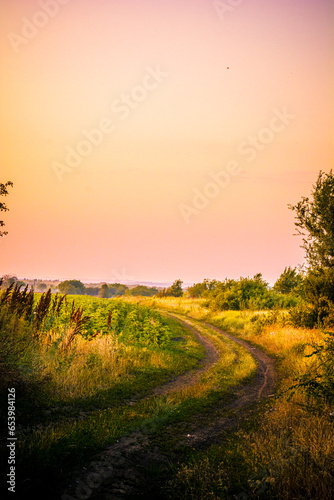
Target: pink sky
x=138, y=200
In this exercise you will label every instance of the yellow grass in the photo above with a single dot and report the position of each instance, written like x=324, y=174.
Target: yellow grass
x=86, y=367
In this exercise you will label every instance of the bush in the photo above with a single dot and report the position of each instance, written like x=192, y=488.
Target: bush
x=318, y=381
x=175, y=290
x=319, y=291
x=144, y=326
x=143, y=291
x=310, y=315
x=72, y=287
x=303, y=315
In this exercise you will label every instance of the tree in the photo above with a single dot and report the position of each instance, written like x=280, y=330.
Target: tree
x=7, y=280
x=72, y=287
x=92, y=290
x=201, y=289
x=144, y=291
x=197, y=290
x=175, y=290
x=3, y=208
x=117, y=289
x=290, y=280
x=251, y=293
x=104, y=292
x=315, y=222
x=316, y=218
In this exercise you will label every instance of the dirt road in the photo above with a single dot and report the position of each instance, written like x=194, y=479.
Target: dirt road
x=121, y=471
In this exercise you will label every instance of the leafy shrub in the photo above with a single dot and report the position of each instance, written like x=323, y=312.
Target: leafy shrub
x=290, y=280
x=245, y=293
x=311, y=315
x=131, y=322
x=143, y=325
x=318, y=381
x=143, y=291
x=319, y=292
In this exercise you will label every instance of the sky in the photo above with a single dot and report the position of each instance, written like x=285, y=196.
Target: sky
x=152, y=140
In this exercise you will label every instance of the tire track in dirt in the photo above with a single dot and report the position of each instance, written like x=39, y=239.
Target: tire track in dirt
x=121, y=471
x=265, y=377
x=192, y=376
x=230, y=415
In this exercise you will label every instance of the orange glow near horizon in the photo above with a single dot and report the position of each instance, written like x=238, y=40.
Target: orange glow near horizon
x=118, y=116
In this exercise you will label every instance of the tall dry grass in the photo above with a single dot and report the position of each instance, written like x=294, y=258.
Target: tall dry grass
x=293, y=454
x=81, y=368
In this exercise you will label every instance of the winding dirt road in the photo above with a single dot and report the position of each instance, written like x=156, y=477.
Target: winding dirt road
x=192, y=376
x=118, y=471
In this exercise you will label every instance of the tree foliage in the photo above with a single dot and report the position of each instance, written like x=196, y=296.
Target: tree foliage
x=244, y=293
x=6, y=280
x=117, y=289
x=143, y=290
x=289, y=281
x=3, y=207
x=108, y=291
x=315, y=222
x=92, y=290
x=239, y=294
x=104, y=291
x=201, y=289
x=72, y=287
x=175, y=290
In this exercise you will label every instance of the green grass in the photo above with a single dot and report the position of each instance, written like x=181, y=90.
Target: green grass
x=220, y=473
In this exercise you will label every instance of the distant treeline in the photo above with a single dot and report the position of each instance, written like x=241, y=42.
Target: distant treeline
x=76, y=287
x=106, y=291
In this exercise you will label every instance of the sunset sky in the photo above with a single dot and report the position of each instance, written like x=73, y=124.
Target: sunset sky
x=152, y=140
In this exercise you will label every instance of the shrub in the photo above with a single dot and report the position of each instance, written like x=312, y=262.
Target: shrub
x=318, y=381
